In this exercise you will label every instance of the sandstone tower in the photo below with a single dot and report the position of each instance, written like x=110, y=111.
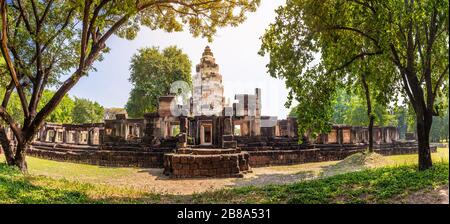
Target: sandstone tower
x=207, y=94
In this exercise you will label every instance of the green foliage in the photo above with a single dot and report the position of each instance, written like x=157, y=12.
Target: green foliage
x=63, y=112
x=86, y=111
x=294, y=43
x=439, y=130
x=352, y=110
x=368, y=186
x=440, y=127
x=318, y=46
x=61, y=31
x=68, y=111
x=152, y=73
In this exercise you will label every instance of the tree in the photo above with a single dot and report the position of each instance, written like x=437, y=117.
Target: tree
x=407, y=37
x=351, y=109
x=292, y=52
x=43, y=40
x=439, y=129
x=86, y=111
x=152, y=73
x=62, y=114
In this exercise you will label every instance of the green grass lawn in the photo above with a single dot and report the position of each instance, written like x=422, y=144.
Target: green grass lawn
x=368, y=186
x=378, y=185
x=441, y=155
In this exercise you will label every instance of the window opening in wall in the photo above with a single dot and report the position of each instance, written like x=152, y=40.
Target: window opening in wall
x=237, y=130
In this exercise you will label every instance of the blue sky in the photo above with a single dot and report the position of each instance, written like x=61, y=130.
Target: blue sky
x=235, y=49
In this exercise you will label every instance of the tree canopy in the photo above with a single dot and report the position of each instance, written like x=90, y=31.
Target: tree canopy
x=152, y=73
x=86, y=111
x=351, y=110
x=406, y=40
x=55, y=43
x=70, y=110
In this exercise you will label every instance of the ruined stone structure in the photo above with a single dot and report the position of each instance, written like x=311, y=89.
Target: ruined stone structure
x=207, y=138
x=208, y=88
x=76, y=134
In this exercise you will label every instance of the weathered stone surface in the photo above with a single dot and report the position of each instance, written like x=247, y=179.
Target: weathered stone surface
x=182, y=165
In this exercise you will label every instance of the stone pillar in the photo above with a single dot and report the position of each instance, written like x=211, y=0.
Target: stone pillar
x=182, y=138
x=183, y=124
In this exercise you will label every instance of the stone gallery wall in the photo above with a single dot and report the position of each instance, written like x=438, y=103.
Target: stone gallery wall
x=287, y=157
x=112, y=158
x=256, y=157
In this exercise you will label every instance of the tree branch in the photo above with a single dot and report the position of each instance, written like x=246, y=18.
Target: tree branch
x=25, y=19
x=339, y=27
x=7, y=96
x=12, y=124
x=7, y=57
x=438, y=83
x=365, y=5
x=396, y=60
x=57, y=33
x=360, y=55
x=84, y=34
x=47, y=9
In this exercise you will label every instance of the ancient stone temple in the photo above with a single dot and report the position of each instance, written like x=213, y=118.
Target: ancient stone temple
x=207, y=138
x=208, y=88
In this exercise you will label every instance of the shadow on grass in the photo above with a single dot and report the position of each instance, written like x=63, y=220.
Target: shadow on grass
x=17, y=188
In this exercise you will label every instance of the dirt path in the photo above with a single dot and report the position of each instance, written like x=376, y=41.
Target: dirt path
x=153, y=180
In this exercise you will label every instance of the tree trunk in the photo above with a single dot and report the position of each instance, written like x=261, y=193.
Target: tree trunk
x=371, y=121
x=19, y=158
x=369, y=110
x=14, y=157
x=5, y=144
x=423, y=137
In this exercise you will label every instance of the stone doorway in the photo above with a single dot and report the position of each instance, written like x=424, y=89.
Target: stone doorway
x=206, y=134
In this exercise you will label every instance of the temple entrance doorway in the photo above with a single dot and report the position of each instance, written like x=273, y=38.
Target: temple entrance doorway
x=206, y=134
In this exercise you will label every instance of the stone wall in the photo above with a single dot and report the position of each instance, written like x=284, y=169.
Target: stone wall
x=216, y=165
x=112, y=158
x=287, y=157
x=194, y=162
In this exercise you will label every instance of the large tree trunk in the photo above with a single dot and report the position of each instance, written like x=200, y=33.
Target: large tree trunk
x=371, y=121
x=5, y=144
x=14, y=156
x=423, y=137
x=369, y=110
x=19, y=158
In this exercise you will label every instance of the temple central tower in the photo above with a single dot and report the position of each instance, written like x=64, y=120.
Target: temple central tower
x=208, y=88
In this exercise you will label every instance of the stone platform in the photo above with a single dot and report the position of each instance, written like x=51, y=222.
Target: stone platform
x=191, y=163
